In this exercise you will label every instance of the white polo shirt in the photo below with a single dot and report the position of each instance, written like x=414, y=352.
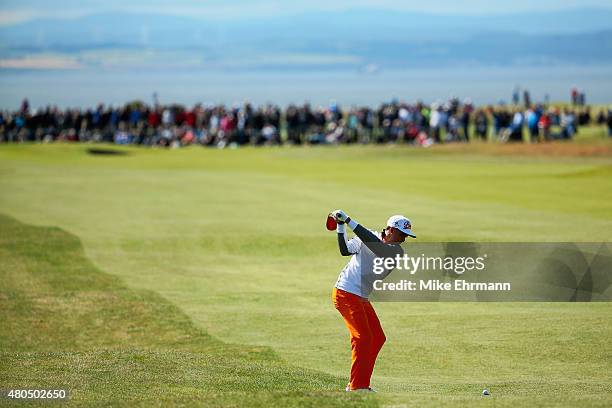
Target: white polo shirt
x=358, y=275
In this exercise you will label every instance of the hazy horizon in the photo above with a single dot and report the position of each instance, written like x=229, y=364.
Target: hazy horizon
x=484, y=86
x=356, y=52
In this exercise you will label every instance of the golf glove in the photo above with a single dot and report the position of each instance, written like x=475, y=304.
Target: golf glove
x=340, y=216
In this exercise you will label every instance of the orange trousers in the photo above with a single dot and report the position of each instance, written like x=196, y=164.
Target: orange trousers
x=367, y=336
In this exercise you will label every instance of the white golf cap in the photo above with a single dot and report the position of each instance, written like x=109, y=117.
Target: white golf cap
x=401, y=223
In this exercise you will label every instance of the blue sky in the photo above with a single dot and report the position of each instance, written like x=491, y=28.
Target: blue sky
x=12, y=11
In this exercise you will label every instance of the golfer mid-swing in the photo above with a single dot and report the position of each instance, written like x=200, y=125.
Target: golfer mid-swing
x=350, y=294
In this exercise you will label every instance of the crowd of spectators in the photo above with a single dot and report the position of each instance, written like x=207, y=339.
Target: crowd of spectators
x=220, y=126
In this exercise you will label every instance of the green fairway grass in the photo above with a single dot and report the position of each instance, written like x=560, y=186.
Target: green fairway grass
x=207, y=273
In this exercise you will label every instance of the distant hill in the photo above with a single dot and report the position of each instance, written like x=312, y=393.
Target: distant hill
x=350, y=38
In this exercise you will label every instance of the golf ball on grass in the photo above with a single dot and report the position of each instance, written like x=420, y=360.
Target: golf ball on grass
x=485, y=392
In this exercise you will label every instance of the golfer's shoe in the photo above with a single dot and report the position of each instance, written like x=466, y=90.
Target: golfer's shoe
x=369, y=389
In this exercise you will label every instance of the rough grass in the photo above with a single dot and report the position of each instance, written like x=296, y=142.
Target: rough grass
x=68, y=325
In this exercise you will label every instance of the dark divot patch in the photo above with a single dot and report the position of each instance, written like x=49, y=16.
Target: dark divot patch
x=98, y=151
